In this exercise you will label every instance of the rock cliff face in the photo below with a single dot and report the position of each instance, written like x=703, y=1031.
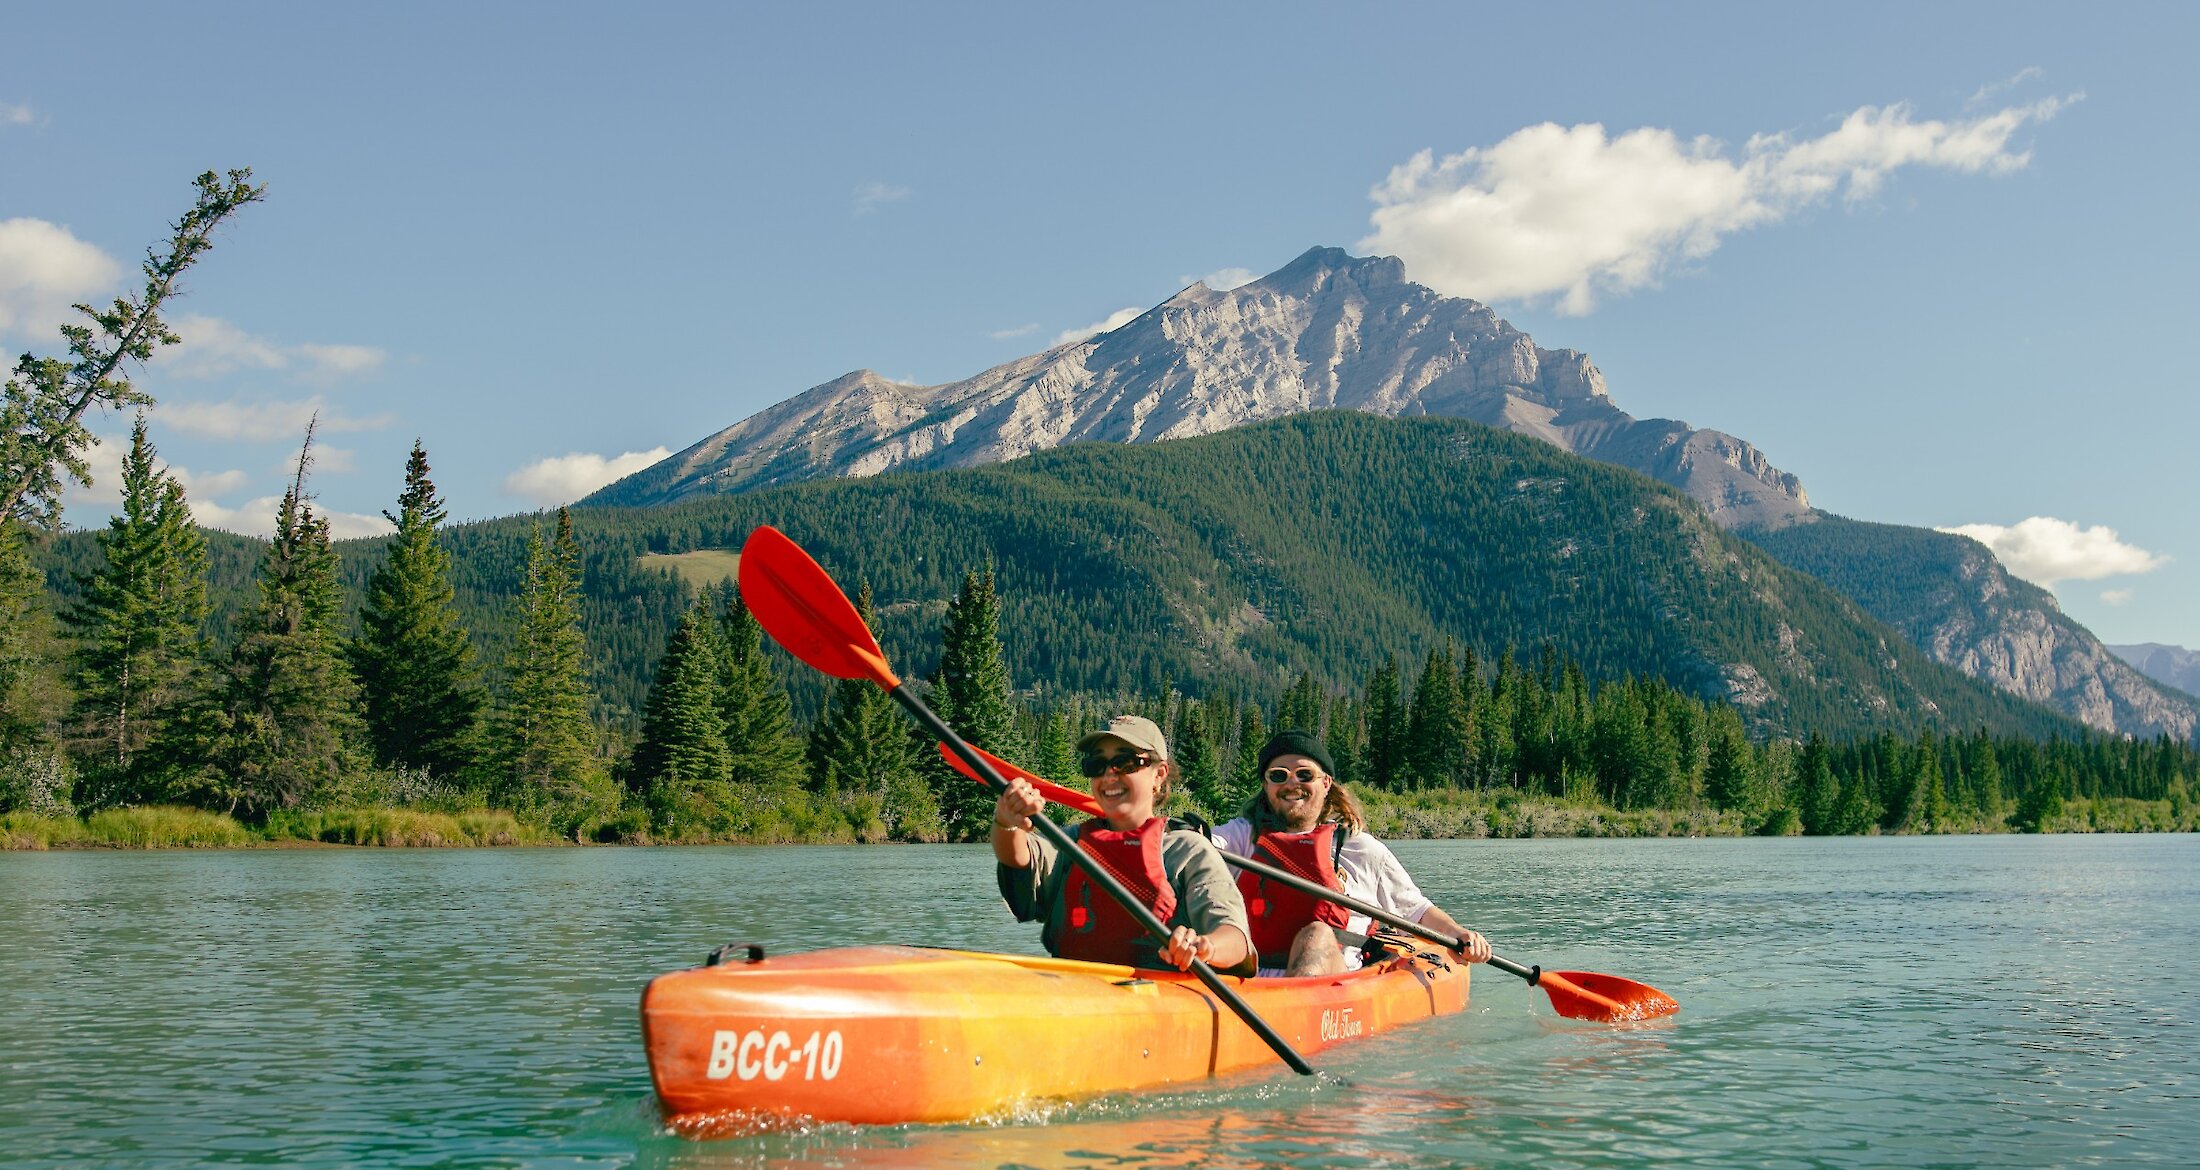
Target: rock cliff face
x=1326, y=331
x=1950, y=597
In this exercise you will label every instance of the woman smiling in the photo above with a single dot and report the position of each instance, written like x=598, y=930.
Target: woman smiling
x=1176, y=872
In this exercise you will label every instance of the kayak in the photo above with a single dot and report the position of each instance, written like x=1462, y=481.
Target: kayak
x=886, y=1035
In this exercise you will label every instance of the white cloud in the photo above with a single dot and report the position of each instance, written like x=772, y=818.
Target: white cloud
x=257, y=518
x=2117, y=596
x=214, y=348
x=2044, y=550
x=1990, y=91
x=562, y=479
x=1019, y=331
x=1570, y=213
x=334, y=460
x=1115, y=320
x=871, y=196
x=18, y=115
x=43, y=270
x=104, y=458
x=264, y=421
x=1225, y=279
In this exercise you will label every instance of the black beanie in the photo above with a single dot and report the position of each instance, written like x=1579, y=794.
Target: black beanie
x=1294, y=742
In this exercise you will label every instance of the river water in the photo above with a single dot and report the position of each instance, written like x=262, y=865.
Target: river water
x=1861, y=1002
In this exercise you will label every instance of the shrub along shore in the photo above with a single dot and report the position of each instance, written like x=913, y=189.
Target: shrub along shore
x=1392, y=816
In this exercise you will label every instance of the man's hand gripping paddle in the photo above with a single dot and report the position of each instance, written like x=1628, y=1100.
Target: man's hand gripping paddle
x=798, y=604
x=1580, y=995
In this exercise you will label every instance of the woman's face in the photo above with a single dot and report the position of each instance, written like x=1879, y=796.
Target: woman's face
x=1129, y=785
x=1297, y=797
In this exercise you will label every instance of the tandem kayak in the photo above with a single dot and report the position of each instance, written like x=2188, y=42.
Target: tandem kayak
x=890, y=1034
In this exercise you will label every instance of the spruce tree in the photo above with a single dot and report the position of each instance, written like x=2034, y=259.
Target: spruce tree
x=1729, y=780
x=281, y=729
x=1436, y=731
x=136, y=620
x=1387, y=727
x=545, y=767
x=862, y=756
x=420, y=692
x=970, y=691
x=1198, y=763
x=681, y=765
x=1303, y=705
x=764, y=751
x=1817, y=796
x=1244, y=778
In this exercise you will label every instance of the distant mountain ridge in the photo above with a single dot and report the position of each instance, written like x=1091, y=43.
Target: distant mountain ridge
x=1328, y=330
x=2169, y=665
x=1951, y=598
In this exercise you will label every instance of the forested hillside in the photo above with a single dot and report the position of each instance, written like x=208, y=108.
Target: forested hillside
x=1315, y=543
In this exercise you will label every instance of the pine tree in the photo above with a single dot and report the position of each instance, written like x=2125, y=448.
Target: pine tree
x=1387, y=727
x=27, y=751
x=1346, y=738
x=1817, y=796
x=765, y=752
x=862, y=756
x=282, y=728
x=1927, y=811
x=137, y=620
x=970, y=691
x=546, y=767
x=420, y=692
x=1302, y=705
x=1055, y=757
x=681, y=765
x=1729, y=780
x=1243, y=780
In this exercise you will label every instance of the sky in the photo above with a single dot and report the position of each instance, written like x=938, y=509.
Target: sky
x=1933, y=260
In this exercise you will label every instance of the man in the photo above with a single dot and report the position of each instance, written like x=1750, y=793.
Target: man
x=1306, y=821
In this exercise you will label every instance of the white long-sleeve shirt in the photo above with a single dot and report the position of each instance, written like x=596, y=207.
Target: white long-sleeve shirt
x=1371, y=873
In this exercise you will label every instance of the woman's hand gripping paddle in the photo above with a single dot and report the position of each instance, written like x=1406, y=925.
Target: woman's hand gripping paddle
x=1579, y=995
x=798, y=604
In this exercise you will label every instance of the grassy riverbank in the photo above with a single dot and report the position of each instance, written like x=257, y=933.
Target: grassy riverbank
x=1435, y=815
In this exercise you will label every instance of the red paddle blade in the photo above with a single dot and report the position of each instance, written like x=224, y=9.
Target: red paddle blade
x=798, y=604
x=1070, y=797
x=1590, y=995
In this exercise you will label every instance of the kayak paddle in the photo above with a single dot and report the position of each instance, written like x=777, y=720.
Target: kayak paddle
x=800, y=606
x=1579, y=995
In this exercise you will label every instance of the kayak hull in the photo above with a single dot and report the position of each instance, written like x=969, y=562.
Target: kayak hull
x=890, y=1035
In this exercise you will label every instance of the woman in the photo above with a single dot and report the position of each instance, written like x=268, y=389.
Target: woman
x=1175, y=872
x=1304, y=820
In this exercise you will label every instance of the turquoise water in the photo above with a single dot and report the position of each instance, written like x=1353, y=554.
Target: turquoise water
x=1846, y=1003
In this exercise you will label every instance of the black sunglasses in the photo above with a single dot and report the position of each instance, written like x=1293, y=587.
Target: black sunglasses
x=1284, y=775
x=1094, y=766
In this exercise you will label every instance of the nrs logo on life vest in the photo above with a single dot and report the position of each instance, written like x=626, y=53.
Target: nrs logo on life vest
x=751, y=1054
x=1339, y=1025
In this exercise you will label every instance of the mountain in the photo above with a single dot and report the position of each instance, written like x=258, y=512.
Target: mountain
x=1328, y=330
x=2169, y=665
x=1951, y=598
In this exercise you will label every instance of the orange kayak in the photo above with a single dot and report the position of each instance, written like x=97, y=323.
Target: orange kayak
x=888, y=1034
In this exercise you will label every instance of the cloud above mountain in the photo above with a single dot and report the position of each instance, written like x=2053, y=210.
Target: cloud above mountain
x=562, y=479
x=1109, y=324
x=1571, y=213
x=2045, y=550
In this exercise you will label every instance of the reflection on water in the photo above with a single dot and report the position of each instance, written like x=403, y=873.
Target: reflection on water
x=1850, y=1003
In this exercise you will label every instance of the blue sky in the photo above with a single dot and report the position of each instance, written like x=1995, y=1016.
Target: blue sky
x=571, y=234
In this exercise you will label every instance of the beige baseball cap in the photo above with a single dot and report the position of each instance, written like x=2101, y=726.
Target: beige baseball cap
x=1135, y=730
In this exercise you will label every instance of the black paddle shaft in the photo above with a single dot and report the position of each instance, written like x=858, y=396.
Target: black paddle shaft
x=1067, y=846
x=1533, y=975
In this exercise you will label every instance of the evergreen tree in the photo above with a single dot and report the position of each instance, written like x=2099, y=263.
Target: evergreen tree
x=970, y=691
x=1436, y=734
x=1729, y=780
x=282, y=728
x=32, y=772
x=1055, y=757
x=1302, y=705
x=137, y=621
x=1346, y=738
x=1387, y=728
x=1244, y=777
x=1928, y=802
x=681, y=765
x=420, y=693
x=1984, y=764
x=862, y=756
x=1816, y=795
x=546, y=767
x=1198, y=764
x=766, y=753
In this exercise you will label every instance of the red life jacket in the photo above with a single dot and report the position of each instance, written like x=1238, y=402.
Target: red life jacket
x=1276, y=911
x=1095, y=927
